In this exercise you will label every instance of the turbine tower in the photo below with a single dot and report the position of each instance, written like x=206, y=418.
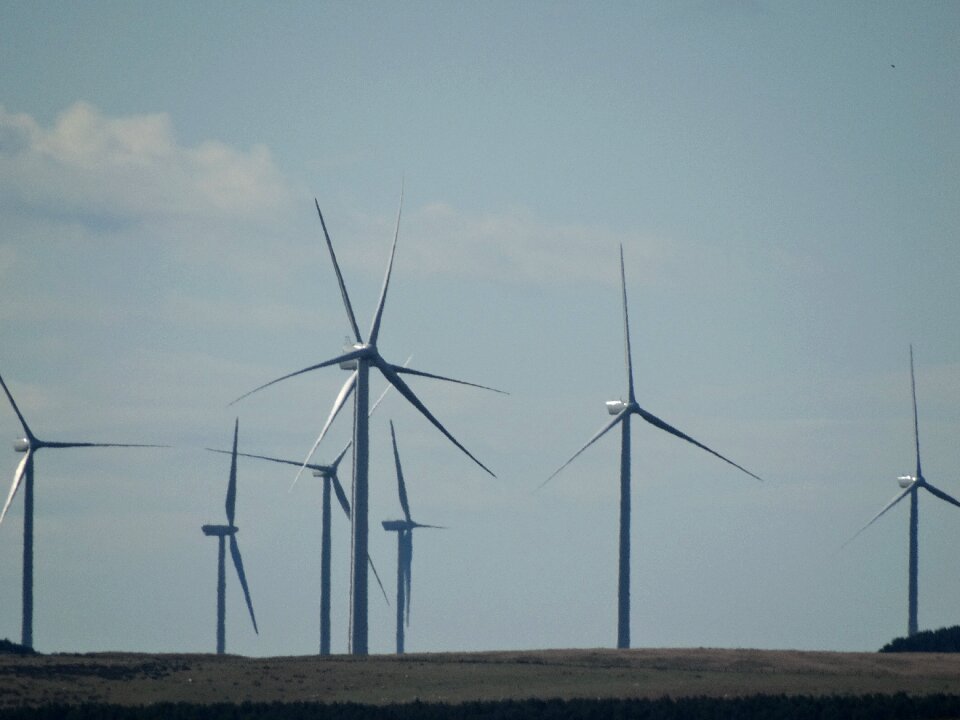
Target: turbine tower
x=330, y=480
x=23, y=475
x=404, y=530
x=911, y=485
x=363, y=356
x=622, y=412
x=221, y=532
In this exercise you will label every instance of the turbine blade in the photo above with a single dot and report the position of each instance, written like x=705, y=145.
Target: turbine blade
x=387, y=389
x=626, y=330
x=232, y=484
x=590, y=442
x=238, y=564
x=421, y=373
x=336, y=463
x=45, y=443
x=13, y=403
x=401, y=485
x=916, y=426
x=375, y=327
x=369, y=414
x=377, y=576
x=353, y=354
x=657, y=422
x=940, y=494
x=334, y=411
x=341, y=495
x=336, y=267
x=17, y=479
x=899, y=496
x=394, y=379
x=295, y=463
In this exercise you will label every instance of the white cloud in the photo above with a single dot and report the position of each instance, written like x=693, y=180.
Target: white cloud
x=131, y=167
x=512, y=246
x=127, y=178
x=101, y=205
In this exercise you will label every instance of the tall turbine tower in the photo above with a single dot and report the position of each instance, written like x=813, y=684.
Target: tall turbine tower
x=622, y=411
x=221, y=532
x=404, y=530
x=23, y=475
x=911, y=485
x=366, y=355
x=330, y=481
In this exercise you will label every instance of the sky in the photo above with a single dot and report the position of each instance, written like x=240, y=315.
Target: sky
x=783, y=179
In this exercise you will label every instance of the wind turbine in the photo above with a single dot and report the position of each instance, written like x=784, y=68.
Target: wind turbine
x=361, y=357
x=329, y=475
x=221, y=532
x=330, y=480
x=911, y=485
x=29, y=444
x=404, y=530
x=622, y=411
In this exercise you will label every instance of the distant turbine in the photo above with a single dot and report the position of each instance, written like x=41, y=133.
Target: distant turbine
x=329, y=475
x=623, y=411
x=365, y=355
x=404, y=530
x=911, y=484
x=330, y=478
x=30, y=444
x=220, y=532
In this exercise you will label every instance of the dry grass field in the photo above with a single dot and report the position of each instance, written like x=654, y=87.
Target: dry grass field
x=135, y=679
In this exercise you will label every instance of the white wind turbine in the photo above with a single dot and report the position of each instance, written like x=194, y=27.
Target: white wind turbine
x=404, y=530
x=911, y=485
x=362, y=357
x=30, y=444
x=622, y=412
x=229, y=531
x=331, y=483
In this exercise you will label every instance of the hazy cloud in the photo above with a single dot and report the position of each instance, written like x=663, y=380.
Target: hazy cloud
x=131, y=167
x=512, y=246
x=94, y=175
x=179, y=223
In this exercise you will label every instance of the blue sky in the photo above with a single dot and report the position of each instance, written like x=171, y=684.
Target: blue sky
x=783, y=179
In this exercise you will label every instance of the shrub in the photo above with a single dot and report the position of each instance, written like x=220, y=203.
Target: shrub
x=944, y=640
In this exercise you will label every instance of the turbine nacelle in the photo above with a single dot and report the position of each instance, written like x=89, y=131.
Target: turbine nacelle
x=351, y=347
x=398, y=525
x=615, y=407
x=21, y=445
x=322, y=473
x=906, y=481
x=219, y=530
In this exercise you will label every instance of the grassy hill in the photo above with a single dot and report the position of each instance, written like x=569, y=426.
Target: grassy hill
x=134, y=679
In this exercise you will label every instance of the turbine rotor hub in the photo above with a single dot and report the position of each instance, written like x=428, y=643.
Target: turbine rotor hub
x=353, y=347
x=21, y=445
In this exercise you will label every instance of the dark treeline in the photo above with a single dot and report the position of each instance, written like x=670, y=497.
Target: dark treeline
x=758, y=707
x=942, y=640
x=12, y=648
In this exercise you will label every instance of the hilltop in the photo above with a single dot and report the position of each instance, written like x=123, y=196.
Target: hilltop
x=134, y=679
